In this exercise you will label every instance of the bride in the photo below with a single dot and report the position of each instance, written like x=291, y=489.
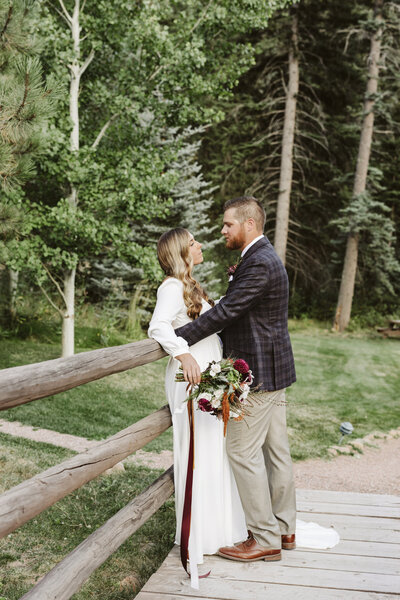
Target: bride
x=217, y=517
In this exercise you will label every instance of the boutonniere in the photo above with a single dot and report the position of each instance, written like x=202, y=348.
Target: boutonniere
x=232, y=269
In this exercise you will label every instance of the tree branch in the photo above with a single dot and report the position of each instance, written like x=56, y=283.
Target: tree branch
x=201, y=18
x=56, y=284
x=156, y=72
x=87, y=62
x=66, y=13
x=8, y=19
x=21, y=106
x=51, y=301
x=103, y=131
x=62, y=16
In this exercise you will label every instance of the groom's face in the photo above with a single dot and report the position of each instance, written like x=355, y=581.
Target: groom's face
x=233, y=231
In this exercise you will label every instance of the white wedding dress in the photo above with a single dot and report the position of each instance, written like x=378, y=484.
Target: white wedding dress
x=217, y=515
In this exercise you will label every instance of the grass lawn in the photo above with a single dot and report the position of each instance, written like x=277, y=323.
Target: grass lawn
x=340, y=378
x=32, y=550
x=352, y=378
x=95, y=410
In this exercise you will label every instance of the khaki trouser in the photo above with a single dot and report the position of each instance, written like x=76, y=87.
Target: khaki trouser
x=258, y=450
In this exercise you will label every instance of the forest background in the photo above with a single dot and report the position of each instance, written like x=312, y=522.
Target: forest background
x=121, y=120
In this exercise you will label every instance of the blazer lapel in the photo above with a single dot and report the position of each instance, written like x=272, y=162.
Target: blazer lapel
x=260, y=244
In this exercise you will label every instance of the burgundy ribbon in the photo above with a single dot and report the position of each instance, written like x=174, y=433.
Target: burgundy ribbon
x=187, y=505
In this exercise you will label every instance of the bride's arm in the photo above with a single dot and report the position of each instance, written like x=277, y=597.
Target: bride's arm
x=169, y=303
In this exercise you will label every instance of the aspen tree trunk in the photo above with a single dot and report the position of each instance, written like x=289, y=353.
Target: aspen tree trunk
x=346, y=292
x=286, y=170
x=12, y=293
x=77, y=69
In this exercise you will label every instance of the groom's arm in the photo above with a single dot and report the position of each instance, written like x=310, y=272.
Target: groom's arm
x=249, y=286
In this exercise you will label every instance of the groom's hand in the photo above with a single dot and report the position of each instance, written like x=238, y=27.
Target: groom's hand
x=190, y=368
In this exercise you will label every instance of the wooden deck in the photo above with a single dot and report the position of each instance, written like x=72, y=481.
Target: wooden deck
x=365, y=565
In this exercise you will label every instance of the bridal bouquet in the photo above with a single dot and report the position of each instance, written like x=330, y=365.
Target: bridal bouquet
x=223, y=389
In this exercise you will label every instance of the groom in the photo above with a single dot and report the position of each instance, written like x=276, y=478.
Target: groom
x=253, y=319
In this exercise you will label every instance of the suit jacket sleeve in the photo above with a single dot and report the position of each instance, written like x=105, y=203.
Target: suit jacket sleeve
x=249, y=284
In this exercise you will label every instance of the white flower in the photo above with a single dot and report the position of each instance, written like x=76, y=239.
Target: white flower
x=215, y=369
x=245, y=392
x=216, y=398
x=206, y=396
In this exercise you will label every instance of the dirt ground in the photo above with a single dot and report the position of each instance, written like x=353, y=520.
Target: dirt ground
x=375, y=471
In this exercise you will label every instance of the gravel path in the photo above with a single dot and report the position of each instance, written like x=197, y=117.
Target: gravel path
x=376, y=471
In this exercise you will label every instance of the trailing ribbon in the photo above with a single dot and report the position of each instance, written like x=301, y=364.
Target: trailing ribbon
x=187, y=505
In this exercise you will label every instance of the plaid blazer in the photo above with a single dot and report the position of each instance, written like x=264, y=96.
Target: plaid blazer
x=253, y=318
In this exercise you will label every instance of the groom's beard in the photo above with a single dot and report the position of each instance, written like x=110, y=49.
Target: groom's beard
x=236, y=242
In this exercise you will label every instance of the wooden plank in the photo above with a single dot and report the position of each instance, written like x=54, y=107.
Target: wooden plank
x=70, y=574
x=154, y=596
x=363, y=566
x=363, y=534
x=363, y=510
x=347, y=520
x=363, y=548
x=259, y=591
x=28, y=499
x=347, y=497
x=19, y=385
x=326, y=560
x=225, y=575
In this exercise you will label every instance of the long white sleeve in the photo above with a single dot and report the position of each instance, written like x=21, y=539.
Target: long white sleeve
x=169, y=304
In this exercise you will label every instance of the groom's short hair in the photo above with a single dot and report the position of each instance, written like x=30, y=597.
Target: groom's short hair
x=248, y=207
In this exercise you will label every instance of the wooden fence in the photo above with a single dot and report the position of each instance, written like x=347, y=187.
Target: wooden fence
x=18, y=505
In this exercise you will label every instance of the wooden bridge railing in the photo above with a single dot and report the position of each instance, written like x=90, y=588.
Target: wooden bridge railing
x=18, y=505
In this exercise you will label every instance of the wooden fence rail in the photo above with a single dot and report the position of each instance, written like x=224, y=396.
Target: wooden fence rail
x=71, y=573
x=19, y=385
x=18, y=505
x=28, y=499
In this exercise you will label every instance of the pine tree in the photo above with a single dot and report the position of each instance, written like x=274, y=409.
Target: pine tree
x=366, y=215
x=26, y=101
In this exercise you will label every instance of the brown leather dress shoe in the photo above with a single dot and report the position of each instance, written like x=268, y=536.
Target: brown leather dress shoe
x=250, y=550
x=289, y=542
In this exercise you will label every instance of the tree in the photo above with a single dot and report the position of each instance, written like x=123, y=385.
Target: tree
x=274, y=141
x=26, y=103
x=286, y=169
x=345, y=299
x=102, y=173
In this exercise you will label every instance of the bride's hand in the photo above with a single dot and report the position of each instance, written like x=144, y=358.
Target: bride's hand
x=190, y=368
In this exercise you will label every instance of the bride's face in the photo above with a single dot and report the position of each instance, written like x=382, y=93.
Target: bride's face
x=195, y=251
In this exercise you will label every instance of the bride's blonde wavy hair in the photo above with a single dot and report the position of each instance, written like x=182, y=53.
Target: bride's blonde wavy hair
x=176, y=261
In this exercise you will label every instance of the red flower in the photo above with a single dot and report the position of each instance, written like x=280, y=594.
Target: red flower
x=204, y=405
x=231, y=270
x=241, y=366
